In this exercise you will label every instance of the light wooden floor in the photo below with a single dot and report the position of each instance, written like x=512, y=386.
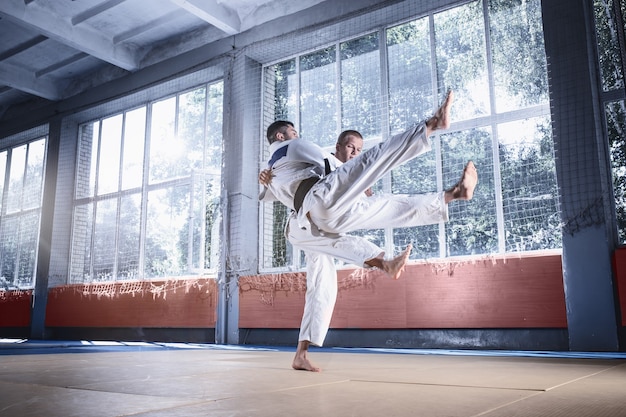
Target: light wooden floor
x=206, y=380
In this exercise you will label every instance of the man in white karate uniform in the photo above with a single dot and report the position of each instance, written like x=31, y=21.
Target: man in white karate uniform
x=328, y=199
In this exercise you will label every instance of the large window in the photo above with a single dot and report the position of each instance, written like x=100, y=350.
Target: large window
x=148, y=190
x=21, y=188
x=491, y=53
x=610, y=29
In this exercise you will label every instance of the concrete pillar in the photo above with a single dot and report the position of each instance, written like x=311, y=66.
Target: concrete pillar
x=583, y=173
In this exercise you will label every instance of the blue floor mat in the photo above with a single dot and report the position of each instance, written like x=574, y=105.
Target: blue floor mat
x=38, y=347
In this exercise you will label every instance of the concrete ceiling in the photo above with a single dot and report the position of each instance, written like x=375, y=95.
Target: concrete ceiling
x=54, y=49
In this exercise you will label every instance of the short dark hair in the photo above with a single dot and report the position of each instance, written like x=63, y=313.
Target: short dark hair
x=276, y=127
x=342, y=136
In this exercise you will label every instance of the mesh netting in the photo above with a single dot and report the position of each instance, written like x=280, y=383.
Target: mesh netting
x=157, y=289
x=389, y=69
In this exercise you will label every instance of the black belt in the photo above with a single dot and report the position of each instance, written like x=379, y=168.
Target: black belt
x=301, y=191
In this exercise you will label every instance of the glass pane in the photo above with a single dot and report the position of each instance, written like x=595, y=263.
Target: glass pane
x=409, y=73
x=134, y=138
x=214, y=128
x=128, y=246
x=318, y=97
x=212, y=227
x=611, y=70
x=87, y=159
x=109, y=164
x=80, y=265
x=16, y=179
x=529, y=187
x=162, y=139
x=167, y=232
x=461, y=62
x=517, y=37
x=33, y=183
x=9, y=238
x=190, y=136
x=27, y=254
x=285, y=90
x=104, y=241
x=472, y=228
x=277, y=251
x=210, y=251
x=3, y=168
x=360, y=86
x=623, y=8
x=417, y=176
x=199, y=220
x=425, y=241
x=616, y=126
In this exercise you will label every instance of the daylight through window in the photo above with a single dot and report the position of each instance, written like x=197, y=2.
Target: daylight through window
x=147, y=201
x=21, y=190
x=384, y=82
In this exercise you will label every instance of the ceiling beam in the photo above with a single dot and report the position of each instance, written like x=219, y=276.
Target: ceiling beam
x=20, y=79
x=94, y=11
x=214, y=13
x=79, y=37
x=68, y=61
x=138, y=30
x=22, y=47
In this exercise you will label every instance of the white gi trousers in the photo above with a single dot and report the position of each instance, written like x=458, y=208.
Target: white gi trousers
x=356, y=211
x=321, y=273
x=337, y=204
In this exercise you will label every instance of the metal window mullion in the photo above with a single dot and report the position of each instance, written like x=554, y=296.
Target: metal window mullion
x=19, y=216
x=298, y=94
x=5, y=198
x=144, y=192
x=338, y=92
x=95, y=204
x=118, y=211
x=621, y=38
x=296, y=253
x=434, y=81
x=262, y=212
x=193, y=180
x=384, y=117
x=497, y=183
x=203, y=181
x=497, y=172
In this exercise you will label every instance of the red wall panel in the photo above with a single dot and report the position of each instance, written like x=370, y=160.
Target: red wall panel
x=172, y=303
x=15, y=308
x=521, y=292
x=619, y=265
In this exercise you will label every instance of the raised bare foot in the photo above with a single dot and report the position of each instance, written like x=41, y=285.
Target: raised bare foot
x=441, y=118
x=464, y=189
x=303, y=364
x=394, y=267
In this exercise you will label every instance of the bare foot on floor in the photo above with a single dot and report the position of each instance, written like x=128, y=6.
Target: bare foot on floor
x=303, y=364
x=441, y=118
x=394, y=267
x=464, y=189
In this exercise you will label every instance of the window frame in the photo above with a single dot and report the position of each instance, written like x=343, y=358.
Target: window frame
x=490, y=121
x=26, y=139
x=147, y=186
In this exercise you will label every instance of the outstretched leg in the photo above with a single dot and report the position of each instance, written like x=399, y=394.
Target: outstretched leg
x=464, y=189
x=393, y=267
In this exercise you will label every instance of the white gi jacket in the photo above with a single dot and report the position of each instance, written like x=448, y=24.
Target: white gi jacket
x=292, y=161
